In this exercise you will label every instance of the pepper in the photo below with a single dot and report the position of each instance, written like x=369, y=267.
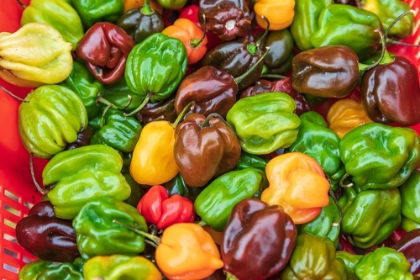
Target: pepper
x=141, y=22
x=34, y=55
x=198, y=138
x=105, y=48
x=163, y=110
x=305, y=21
x=172, y=4
x=81, y=174
x=330, y=71
x=372, y=158
x=192, y=36
x=132, y=4
x=350, y=261
x=298, y=184
x=177, y=186
x=45, y=236
x=327, y=224
x=370, y=216
x=316, y=140
x=120, y=95
x=120, y=267
x=163, y=211
x=250, y=220
x=410, y=209
x=408, y=245
x=383, y=262
x=215, y=203
x=93, y=11
x=265, y=122
x=280, y=14
x=314, y=258
x=50, y=117
x=83, y=139
x=49, y=271
x=345, y=115
x=349, y=26
x=136, y=190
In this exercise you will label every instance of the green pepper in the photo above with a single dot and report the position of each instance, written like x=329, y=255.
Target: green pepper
x=314, y=258
x=177, y=186
x=120, y=95
x=59, y=15
x=172, y=4
x=93, y=11
x=316, y=140
x=378, y=156
x=383, y=263
x=47, y=270
x=97, y=234
x=349, y=26
x=326, y=224
x=265, y=122
x=120, y=267
x=350, y=261
x=136, y=191
x=215, y=203
x=81, y=174
x=370, y=216
x=410, y=208
x=305, y=21
x=388, y=11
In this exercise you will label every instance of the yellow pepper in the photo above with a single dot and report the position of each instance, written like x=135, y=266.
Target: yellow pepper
x=298, y=184
x=280, y=13
x=346, y=114
x=34, y=55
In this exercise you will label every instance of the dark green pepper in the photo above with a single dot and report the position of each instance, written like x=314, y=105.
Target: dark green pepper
x=120, y=95
x=97, y=234
x=350, y=261
x=46, y=270
x=136, y=191
x=410, y=196
x=215, y=203
x=177, y=186
x=93, y=11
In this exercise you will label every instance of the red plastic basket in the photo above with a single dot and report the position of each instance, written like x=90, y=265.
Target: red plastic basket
x=17, y=192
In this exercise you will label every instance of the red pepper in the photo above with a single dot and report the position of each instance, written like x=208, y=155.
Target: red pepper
x=163, y=211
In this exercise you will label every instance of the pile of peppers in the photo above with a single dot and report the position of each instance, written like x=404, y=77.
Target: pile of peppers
x=185, y=139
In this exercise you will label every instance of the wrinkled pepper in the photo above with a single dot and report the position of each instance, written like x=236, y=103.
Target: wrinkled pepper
x=163, y=211
x=76, y=176
x=265, y=122
x=279, y=13
x=298, y=184
x=215, y=203
x=410, y=195
x=350, y=261
x=409, y=246
x=49, y=271
x=34, y=55
x=258, y=240
x=163, y=110
x=93, y=11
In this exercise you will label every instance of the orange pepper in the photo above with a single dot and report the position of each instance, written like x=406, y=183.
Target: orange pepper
x=132, y=4
x=345, y=115
x=298, y=184
x=187, y=251
x=280, y=13
x=192, y=36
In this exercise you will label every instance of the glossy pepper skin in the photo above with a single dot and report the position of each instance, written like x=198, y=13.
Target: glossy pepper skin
x=98, y=235
x=316, y=140
x=383, y=262
x=390, y=92
x=163, y=211
x=93, y=11
x=132, y=4
x=198, y=138
x=372, y=158
x=163, y=110
x=215, y=203
x=52, y=118
x=81, y=174
x=280, y=14
x=314, y=258
x=119, y=267
x=248, y=256
x=350, y=261
x=43, y=58
x=45, y=236
x=177, y=186
x=59, y=14
x=280, y=53
x=49, y=271
x=408, y=245
x=330, y=71
x=410, y=192
x=266, y=122
x=119, y=94
x=298, y=184
x=345, y=115
x=105, y=48
x=370, y=216
x=305, y=22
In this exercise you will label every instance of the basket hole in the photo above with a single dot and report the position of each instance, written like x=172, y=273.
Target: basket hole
x=10, y=268
x=28, y=204
x=9, y=238
x=10, y=253
x=26, y=259
x=11, y=195
x=9, y=223
x=11, y=210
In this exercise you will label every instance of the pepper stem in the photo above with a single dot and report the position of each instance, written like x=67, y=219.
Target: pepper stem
x=265, y=32
x=151, y=237
x=341, y=183
x=146, y=9
x=243, y=76
x=182, y=114
x=202, y=223
x=13, y=95
x=395, y=42
x=229, y=276
x=100, y=99
x=144, y=103
x=397, y=19
x=21, y=4
x=383, y=59
x=38, y=187
x=272, y=76
x=340, y=211
x=196, y=42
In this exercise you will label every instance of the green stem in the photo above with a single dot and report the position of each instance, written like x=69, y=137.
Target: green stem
x=229, y=276
x=383, y=59
x=142, y=105
x=196, y=42
x=340, y=211
x=21, y=4
x=202, y=223
x=396, y=20
x=394, y=42
x=273, y=76
x=151, y=237
x=341, y=183
x=146, y=9
x=31, y=166
x=265, y=32
x=182, y=114
x=100, y=99
x=13, y=95
x=243, y=76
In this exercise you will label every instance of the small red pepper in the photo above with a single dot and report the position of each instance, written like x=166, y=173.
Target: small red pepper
x=163, y=211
